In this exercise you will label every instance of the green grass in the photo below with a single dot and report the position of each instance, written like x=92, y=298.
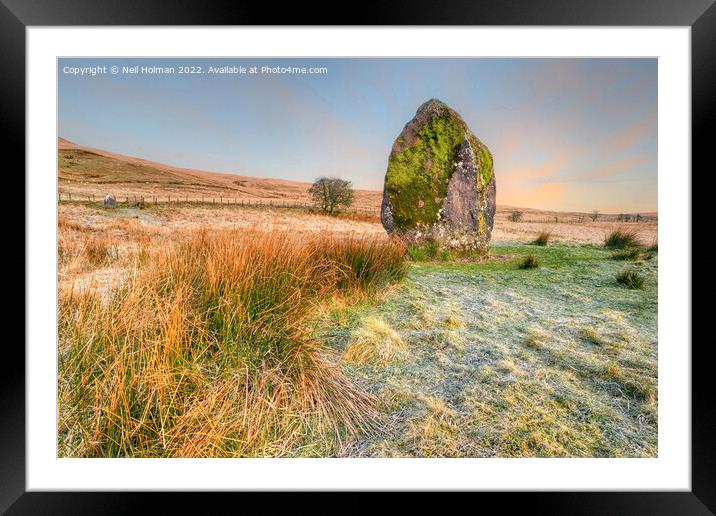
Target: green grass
x=630, y=253
x=430, y=251
x=631, y=279
x=560, y=362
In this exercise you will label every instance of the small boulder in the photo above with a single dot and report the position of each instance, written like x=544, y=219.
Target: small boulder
x=110, y=202
x=440, y=183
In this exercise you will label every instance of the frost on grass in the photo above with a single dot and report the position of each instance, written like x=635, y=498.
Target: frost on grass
x=562, y=363
x=374, y=342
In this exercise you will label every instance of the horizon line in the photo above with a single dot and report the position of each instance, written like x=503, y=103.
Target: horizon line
x=503, y=206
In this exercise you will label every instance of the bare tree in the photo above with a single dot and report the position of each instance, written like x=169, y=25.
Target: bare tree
x=331, y=192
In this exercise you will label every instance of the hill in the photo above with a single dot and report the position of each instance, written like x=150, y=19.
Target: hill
x=85, y=171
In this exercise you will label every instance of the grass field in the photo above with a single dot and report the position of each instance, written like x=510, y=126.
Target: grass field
x=197, y=329
x=462, y=358
x=557, y=361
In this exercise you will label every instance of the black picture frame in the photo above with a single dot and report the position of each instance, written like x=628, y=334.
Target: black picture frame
x=17, y=15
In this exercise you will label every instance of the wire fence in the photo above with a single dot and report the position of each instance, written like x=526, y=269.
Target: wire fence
x=154, y=200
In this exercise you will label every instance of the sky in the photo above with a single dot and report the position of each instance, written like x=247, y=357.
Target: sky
x=565, y=134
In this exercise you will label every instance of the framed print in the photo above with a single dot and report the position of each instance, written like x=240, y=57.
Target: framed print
x=449, y=252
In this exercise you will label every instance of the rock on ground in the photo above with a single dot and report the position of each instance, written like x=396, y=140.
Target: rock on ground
x=440, y=183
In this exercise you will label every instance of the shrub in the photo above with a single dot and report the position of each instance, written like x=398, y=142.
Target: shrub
x=529, y=262
x=631, y=279
x=542, y=238
x=209, y=351
x=515, y=216
x=622, y=239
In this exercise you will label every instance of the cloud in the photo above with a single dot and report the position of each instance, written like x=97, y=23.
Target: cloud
x=544, y=172
x=632, y=136
x=615, y=168
x=531, y=196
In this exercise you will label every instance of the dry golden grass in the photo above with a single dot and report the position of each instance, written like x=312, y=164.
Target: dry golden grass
x=206, y=349
x=374, y=342
x=568, y=228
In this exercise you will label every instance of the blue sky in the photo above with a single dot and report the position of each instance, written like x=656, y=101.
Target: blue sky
x=565, y=134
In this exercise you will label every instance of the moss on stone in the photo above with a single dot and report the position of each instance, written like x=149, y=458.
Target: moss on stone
x=483, y=162
x=420, y=169
x=418, y=177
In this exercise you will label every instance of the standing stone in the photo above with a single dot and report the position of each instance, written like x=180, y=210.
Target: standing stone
x=440, y=184
x=110, y=201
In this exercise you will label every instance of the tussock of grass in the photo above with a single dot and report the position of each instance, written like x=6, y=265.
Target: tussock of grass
x=631, y=383
x=436, y=433
x=86, y=250
x=631, y=279
x=98, y=251
x=591, y=336
x=622, y=239
x=64, y=222
x=630, y=253
x=542, y=239
x=453, y=321
x=374, y=342
x=529, y=262
x=535, y=338
x=207, y=352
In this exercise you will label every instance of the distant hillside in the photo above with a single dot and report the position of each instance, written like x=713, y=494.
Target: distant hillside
x=85, y=171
